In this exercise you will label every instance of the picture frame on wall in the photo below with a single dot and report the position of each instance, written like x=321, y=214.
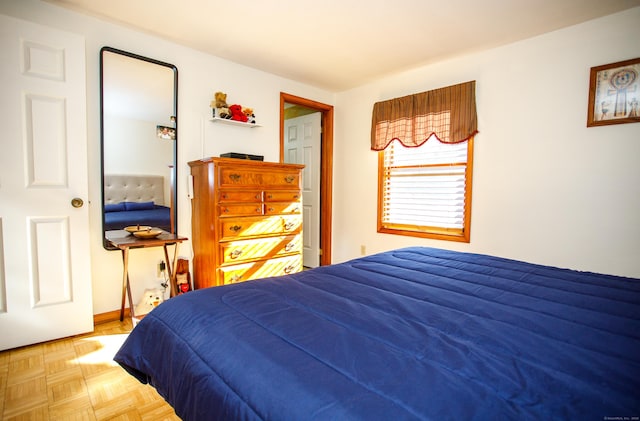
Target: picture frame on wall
x=614, y=93
x=164, y=132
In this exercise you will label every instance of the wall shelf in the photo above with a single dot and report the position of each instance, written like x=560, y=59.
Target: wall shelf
x=233, y=122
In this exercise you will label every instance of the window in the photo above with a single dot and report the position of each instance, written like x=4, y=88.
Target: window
x=425, y=162
x=425, y=191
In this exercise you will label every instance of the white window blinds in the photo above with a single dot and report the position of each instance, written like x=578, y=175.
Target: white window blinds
x=424, y=187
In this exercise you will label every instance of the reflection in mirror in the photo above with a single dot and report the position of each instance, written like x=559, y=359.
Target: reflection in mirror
x=139, y=141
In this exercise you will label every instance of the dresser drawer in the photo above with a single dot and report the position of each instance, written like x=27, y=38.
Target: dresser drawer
x=232, y=228
x=225, y=196
x=261, y=269
x=282, y=208
x=240, y=251
x=282, y=179
x=240, y=209
x=282, y=196
x=245, y=177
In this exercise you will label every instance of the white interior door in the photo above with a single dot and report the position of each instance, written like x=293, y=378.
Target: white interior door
x=45, y=277
x=303, y=146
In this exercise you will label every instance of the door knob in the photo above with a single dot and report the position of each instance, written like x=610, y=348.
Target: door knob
x=76, y=202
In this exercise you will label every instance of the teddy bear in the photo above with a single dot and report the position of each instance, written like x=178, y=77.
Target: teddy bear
x=237, y=114
x=183, y=277
x=251, y=118
x=151, y=298
x=223, y=112
x=220, y=100
x=182, y=282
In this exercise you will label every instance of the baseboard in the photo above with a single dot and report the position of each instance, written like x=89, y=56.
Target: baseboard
x=110, y=316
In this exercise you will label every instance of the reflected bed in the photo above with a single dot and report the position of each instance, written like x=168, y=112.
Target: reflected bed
x=415, y=333
x=135, y=200
x=126, y=214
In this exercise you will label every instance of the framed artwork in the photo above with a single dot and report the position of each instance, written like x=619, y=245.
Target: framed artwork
x=164, y=132
x=614, y=93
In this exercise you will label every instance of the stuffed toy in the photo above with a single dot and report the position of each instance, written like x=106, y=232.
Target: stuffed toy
x=151, y=298
x=183, y=277
x=223, y=112
x=237, y=114
x=220, y=100
x=251, y=118
x=182, y=282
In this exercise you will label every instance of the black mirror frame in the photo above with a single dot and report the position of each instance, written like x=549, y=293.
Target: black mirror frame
x=174, y=174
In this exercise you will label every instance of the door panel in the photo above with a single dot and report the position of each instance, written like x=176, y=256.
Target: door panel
x=3, y=283
x=45, y=277
x=45, y=141
x=49, y=265
x=303, y=146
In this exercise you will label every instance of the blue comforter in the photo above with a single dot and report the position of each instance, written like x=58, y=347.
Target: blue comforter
x=158, y=217
x=415, y=333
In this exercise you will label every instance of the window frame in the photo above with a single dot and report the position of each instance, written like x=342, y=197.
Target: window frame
x=437, y=233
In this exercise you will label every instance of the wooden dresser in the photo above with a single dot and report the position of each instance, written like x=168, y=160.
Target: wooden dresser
x=246, y=220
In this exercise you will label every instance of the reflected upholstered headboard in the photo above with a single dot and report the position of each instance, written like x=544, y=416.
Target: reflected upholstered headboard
x=133, y=188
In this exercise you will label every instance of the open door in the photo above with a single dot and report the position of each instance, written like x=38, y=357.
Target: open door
x=326, y=165
x=302, y=145
x=45, y=275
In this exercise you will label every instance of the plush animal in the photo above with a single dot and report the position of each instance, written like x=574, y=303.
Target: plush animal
x=182, y=281
x=223, y=112
x=151, y=298
x=183, y=277
x=251, y=118
x=221, y=100
x=237, y=114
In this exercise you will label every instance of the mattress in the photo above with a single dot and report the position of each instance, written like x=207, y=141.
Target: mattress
x=414, y=333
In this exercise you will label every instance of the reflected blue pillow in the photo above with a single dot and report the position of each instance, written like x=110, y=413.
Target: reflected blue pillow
x=136, y=206
x=114, y=207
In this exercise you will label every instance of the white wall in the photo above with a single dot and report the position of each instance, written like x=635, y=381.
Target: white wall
x=199, y=76
x=132, y=147
x=546, y=188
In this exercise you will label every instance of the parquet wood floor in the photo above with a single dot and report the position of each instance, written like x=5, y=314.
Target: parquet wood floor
x=76, y=379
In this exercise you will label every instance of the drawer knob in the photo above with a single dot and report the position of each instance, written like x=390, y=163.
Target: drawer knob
x=258, y=196
x=235, y=228
x=271, y=209
x=235, y=254
x=225, y=210
x=235, y=278
x=289, y=247
x=258, y=210
x=290, y=178
x=289, y=269
x=235, y=177
x=289, y=225
x=269, y=196
x=224, y=196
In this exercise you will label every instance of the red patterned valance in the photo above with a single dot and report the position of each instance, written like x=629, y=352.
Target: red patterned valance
x=449, y=113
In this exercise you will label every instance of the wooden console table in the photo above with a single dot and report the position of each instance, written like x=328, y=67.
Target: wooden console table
x=124, y=241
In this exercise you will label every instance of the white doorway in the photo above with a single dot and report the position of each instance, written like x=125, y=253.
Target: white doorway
x=45, y=275
x=326, y=164
x=303, y=145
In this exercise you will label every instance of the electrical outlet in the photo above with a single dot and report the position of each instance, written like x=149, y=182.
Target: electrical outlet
x=363, y=250
x=161, y=268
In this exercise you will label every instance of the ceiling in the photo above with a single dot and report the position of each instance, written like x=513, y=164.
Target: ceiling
x=340, y=44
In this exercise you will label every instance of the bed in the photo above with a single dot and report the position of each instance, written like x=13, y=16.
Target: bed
x=135, y=200
x=414, y=333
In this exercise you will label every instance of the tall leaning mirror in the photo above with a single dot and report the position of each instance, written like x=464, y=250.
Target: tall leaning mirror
x=138, y=113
